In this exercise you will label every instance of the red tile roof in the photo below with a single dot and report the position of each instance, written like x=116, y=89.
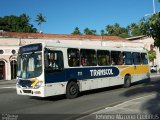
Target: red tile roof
x=60, y=36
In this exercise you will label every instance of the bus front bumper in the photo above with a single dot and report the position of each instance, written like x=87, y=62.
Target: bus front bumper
x=30, y=92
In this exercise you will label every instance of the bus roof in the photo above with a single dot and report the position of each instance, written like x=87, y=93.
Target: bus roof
x=68, y=45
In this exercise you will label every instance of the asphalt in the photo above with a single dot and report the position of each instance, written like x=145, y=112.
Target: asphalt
x=142, y=108
x=8, y=81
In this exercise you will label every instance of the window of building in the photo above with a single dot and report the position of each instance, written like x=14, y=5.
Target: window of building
x=136, y=58
x=13, y=52
x=103, y=57
x=88, y=57
x=127, y=58
x=116, y=58
x=73, y=57
x=1, y=51
x=144, y=58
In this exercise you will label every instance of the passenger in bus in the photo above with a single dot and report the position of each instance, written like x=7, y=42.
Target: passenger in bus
x=75, y=62
x=107, y=60
x=104, y=60
x=82, y=61
x=52, y=62
x=120, y=59
x=113, y=62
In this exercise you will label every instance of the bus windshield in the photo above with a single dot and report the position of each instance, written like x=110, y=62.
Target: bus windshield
x=29, y=65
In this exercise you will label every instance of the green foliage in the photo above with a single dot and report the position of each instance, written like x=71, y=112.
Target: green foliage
x=117, y=30
x=134, y=29
x=151, y=27
x=102, y=32
x=40, y=19
x=152, y=55
x=14, y=23
x=76, y=31
x=87, y=31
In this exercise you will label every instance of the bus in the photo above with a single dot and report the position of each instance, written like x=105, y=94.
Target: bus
x=49, y=69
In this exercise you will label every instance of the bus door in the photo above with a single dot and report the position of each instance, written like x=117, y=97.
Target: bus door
x=54, y=67
x=137, y=65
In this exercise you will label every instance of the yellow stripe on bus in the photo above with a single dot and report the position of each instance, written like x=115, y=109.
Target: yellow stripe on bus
x=35, y=82
x=121, y=67
x=140, y=69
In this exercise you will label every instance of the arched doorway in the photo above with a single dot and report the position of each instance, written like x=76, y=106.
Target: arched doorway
x=13, y=64
x=2, y=70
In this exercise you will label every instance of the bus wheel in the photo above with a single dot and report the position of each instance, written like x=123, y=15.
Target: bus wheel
x=72, y=90
x=127, y=81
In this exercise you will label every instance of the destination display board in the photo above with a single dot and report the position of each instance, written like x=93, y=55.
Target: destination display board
x=30, y=48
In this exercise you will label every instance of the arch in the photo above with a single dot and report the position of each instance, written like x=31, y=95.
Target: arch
x=2, y=59
x=2, y=70
x=13, y=67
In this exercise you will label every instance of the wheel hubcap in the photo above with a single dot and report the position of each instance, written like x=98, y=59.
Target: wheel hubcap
x=73, y=90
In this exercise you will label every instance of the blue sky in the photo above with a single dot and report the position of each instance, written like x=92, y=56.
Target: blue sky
x=64, y=15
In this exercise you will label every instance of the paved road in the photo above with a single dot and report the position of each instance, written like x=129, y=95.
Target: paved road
x=60, y=108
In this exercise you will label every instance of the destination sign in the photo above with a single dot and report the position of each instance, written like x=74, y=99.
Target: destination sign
x=31, y=48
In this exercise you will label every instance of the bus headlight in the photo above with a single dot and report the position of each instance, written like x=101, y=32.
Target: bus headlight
x=18, y=85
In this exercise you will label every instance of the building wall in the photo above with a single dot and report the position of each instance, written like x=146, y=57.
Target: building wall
x=7, y=57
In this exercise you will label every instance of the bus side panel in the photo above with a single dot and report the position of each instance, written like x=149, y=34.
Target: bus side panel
x=137, y=72
x=55, y=83
x=55, y=88
x=92, y=77
x=116, y=81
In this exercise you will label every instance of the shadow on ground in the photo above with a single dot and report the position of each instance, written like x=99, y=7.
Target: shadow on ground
x=150, y=106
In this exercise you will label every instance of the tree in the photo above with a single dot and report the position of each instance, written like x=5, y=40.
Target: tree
x=134, y=29
x=87, y=31
x=102, y=32
x=76, y=31
x=151, y=27
x=14, y=23
x=152, y=55
x=116, y=30
x=40, y=19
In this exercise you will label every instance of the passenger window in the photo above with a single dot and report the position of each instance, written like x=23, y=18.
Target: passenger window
x=73, y=57
x=54, y=61
x=136, y=58
x=116, y=58
x=144, y=58
x=127, y=56
x=88, y=57
x=103, y=57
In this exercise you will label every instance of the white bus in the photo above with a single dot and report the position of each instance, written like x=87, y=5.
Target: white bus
x=48, y=69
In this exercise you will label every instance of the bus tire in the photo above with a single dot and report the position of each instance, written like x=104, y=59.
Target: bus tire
x=127, y=81
x=72, y=90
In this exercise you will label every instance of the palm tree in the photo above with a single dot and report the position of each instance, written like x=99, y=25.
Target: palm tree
x=76, y=31
x=40, y=19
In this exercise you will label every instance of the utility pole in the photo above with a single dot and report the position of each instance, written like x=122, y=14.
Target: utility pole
x=154, y=8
